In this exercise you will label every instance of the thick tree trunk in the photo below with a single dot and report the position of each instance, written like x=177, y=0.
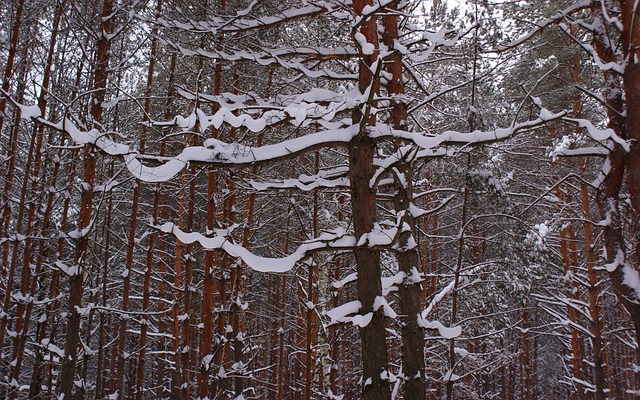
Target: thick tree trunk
x=374, y=346
x=363, y=206
x=631, y=86
x=623, y=98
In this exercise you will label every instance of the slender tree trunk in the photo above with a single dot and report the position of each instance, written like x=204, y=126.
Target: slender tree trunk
x=161, y=379
x=13, y=49
x=280, y=384
x=273, y=353
x=29, y=285
x=176, y=370
x=456, y=280
x=334, y=330
x=72, y=341
x=206, y=338
x=146, y=286
x=408, y=259
x=187, y=331
x=52, y=310
x=596, y=323
x=235, y=339
x=569, y=261
x=310, y=320
x=11, y=266
x=101, y=379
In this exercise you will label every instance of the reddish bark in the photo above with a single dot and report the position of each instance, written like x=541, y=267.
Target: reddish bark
x=596, y=323
x=72, y=340
x=623, y=98
x=363, y=205
x=13, y=49
x=413, y=344
x=9, y=269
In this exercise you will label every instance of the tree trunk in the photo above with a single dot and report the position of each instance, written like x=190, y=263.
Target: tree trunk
x=101, y=377
x=624, y=121
x=570, y=265
x=456, y=281
x=596, y=323
x=72, y=340
x=413, y=364
x=9, y=274
x=363, y=205
x=631, y=86
x=146, y=286
x=13, y=48
x=28, y=285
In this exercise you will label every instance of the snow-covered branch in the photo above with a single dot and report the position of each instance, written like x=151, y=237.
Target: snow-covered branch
x=335, y=240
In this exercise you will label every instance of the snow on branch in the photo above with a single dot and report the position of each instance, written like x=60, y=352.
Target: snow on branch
x=603, y=66
x=600, y=135
x=323, y=100
x=444, y=331
x=464, y=138
x=296, y=110
x=239, y=23
x=335, y=177
x=373, y=9
x=541, y=25
x=341, y=314
x=219, y=153
x=216, y=152
x=448, y=333
x=265, y=58
x=93, y=137
x=336, y=240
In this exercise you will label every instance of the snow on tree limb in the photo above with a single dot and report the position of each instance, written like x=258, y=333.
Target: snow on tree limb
x=264, y=58
x=335, y=240
x=541, y=25
x=600, y=135
x=220, y=154
x=238, y=24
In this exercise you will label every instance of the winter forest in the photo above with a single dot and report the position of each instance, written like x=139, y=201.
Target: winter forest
x=320, y=199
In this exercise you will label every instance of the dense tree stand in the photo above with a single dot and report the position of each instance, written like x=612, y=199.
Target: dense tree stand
x=337, y=199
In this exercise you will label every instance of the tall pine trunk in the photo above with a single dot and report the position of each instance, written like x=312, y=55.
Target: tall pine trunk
x=363, y=205
x=413, y=365
x=72, y=339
